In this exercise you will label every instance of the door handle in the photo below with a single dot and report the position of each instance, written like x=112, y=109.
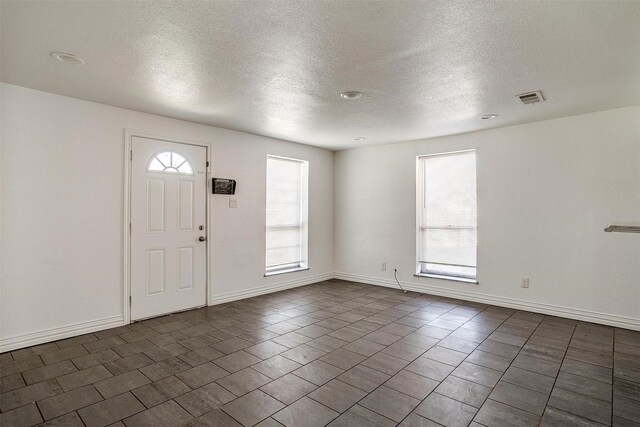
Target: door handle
x=202, y=238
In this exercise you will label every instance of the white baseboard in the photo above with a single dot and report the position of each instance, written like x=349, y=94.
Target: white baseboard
x=261, y=290
x=554, y=310
x=55, y=334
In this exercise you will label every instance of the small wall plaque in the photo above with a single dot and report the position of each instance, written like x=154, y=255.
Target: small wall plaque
x=223, y=186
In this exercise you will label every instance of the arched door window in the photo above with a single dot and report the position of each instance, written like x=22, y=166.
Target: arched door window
x=170, y=162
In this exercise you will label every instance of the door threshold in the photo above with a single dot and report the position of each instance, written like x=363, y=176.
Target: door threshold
x=157, y=316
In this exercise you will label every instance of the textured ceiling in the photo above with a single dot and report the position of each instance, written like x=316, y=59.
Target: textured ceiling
x=276, y=68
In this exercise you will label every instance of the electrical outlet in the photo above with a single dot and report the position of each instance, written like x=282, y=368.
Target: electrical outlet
x=233, y=203
x=383, y=266
x=524, y=283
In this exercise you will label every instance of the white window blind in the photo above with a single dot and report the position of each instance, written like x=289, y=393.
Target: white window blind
x=447, y=214
x=286, y=222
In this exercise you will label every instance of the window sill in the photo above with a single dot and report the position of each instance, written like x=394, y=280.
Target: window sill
x=288, y=270
x=443, y=277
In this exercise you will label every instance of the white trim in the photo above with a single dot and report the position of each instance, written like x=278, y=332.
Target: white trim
x=448, y=153
x=550, y=309
x=126, y=230
x=288, y=270
x=55, y=334
x=267, y=289
x=126, y=274
x=445, y=277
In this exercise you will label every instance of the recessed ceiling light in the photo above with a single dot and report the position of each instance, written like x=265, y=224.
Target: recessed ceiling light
x=488, y=116
x=67, y=57
x=359, y=138
x=351, y=94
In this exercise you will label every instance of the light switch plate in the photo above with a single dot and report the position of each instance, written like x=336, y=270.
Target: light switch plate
x=233, y=202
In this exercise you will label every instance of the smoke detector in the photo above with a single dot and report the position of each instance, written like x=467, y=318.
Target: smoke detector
x=530, y=97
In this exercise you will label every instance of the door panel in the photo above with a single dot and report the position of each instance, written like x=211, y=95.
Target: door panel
x=168, y=207
x=155, y=272
x=155, y=205
x=185, y=205
x=185, y=272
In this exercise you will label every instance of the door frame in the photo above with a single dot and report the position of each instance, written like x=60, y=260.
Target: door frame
x=129, y=134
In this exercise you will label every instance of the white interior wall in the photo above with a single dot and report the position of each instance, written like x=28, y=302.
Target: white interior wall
x=546, y=191
x=62, y=211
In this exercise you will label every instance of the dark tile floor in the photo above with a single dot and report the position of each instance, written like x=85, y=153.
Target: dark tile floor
x=334, y=353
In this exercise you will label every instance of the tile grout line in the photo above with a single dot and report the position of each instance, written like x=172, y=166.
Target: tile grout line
x=613, y=373
x=510, y=363
x=38, y=406
x=323, y=298
x=335, y=378
x=371, y=331
x=564, y=355
x=135, y=397
x=372, y=391
x=582, y=376
x=444, y=379
x=306, y=395
x=452, y=332
x=391, y=376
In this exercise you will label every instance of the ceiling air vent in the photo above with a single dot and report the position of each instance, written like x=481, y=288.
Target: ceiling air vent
x=530, y=97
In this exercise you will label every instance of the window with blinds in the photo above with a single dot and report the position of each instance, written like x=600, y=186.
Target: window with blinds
x=286, y=222
x=447, y=215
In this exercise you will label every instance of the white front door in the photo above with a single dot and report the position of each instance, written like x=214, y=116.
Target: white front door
x=168, y=227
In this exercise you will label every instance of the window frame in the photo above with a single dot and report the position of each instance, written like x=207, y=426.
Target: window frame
x=169, y=172
x=303, y=264
x=421, y=271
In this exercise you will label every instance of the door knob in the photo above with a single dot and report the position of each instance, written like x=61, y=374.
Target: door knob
x=202, y=238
